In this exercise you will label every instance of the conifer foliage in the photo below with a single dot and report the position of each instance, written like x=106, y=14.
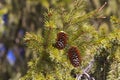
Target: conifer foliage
x=57, y=54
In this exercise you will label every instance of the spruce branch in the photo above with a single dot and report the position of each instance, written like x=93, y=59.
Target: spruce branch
x=87, y=16
x=105, y=55
x=33, y=41
x=54, y=64
x=103, y=58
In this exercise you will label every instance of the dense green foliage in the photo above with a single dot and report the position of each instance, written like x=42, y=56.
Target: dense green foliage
x=102, y=45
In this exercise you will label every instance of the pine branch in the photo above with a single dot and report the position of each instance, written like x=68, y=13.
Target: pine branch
x=54, y=65
x=105, y=56
x=33, y=41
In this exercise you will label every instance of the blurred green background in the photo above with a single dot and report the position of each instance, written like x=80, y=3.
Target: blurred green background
x=20, y=16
